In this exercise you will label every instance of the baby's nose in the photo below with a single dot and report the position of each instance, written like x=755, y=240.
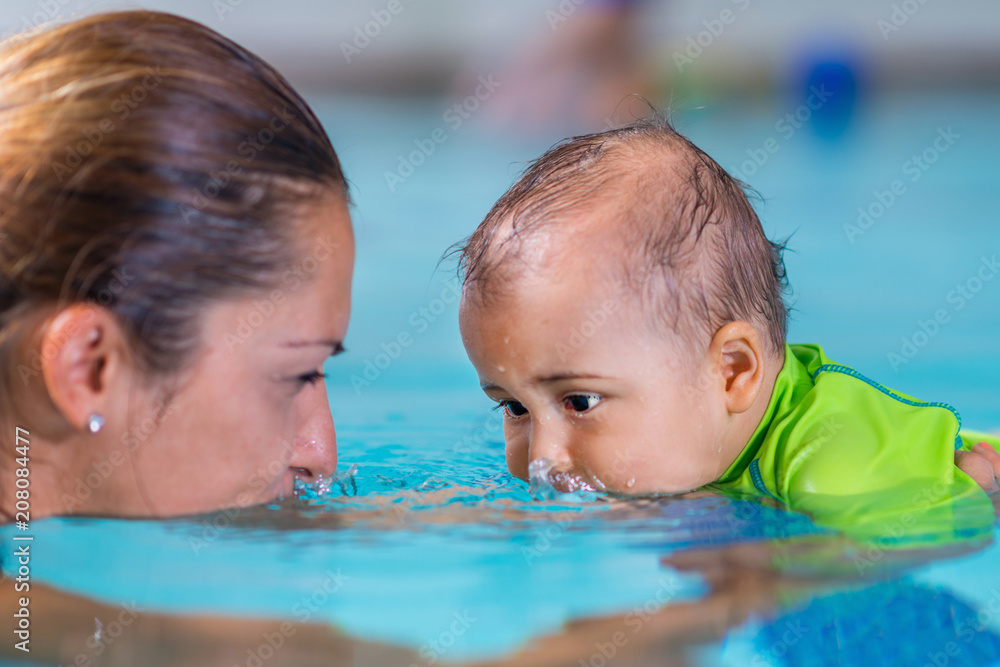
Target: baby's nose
x=549, y=442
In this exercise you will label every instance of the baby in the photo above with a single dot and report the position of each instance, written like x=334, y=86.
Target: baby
x=623, y=306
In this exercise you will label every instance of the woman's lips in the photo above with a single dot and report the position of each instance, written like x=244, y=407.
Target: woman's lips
x=287, y=487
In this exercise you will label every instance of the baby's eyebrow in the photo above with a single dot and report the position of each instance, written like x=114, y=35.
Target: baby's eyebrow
x=559, y=377
x=550, y=379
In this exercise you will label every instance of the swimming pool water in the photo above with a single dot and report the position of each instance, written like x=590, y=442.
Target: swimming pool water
x=430, y=526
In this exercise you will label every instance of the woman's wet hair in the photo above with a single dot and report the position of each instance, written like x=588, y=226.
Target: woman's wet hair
x=150, y=166
x=693, y=248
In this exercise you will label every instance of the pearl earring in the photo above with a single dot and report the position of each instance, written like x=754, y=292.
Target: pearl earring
x=95, y=423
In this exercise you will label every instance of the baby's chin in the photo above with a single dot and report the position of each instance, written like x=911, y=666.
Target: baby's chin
x=658, y=478
x=639, y=490
x=639, y=487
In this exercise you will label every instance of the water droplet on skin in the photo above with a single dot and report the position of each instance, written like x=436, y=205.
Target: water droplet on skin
x=501, y=369
x=630, y=483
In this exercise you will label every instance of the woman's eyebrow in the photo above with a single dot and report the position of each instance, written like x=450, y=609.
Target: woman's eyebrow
x=336, y=346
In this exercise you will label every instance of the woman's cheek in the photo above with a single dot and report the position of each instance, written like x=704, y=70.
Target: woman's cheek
x=265, y=481
x=258, y=485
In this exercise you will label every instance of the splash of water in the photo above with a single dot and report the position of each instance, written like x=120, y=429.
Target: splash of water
x=325, y=487
x=547, y=482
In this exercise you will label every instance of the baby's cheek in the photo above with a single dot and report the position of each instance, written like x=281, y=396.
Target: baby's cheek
x=516, y=450
x=615, y=466
x=656, y=470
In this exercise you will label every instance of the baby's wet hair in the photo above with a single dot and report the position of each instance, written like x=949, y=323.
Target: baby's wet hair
x=694, y=249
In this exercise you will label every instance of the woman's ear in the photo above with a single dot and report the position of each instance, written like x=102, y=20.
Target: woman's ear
x=83, y=356
x=737, y=350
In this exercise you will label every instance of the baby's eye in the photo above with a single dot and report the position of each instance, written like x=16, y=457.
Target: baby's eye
x=581, y=402
x=513, y=408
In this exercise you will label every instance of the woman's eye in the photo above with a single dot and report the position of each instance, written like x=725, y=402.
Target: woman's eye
x=581, y=402
x=313, y=377
x=513, y=408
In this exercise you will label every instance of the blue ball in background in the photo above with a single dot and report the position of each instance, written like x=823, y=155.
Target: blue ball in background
x=838, y=83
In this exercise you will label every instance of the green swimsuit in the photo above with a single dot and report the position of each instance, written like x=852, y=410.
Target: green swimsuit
x=839, y=446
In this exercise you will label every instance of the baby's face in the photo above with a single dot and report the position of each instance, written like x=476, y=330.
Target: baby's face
x=585, y=385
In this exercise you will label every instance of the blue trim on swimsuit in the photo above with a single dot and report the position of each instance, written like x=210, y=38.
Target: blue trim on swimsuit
x=758, y=480
x=846, y=370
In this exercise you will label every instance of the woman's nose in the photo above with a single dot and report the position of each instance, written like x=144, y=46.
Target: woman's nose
x=315, y=449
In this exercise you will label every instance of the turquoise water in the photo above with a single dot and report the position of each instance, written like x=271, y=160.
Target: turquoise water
x=430, y=525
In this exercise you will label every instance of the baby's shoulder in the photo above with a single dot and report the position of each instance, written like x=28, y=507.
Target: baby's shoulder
x=850, y=434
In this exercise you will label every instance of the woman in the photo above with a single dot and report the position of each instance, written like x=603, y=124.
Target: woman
x=175, y=266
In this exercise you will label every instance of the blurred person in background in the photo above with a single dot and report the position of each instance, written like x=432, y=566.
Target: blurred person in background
x=575, y=74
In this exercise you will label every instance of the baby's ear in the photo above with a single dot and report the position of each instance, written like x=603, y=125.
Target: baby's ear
x=737, y=350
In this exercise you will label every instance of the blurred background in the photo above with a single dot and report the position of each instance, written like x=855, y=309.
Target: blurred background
x=869, y=128
x=756, y=48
